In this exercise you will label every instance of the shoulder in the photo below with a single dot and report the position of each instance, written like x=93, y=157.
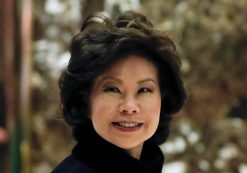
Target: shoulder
x=72, y=165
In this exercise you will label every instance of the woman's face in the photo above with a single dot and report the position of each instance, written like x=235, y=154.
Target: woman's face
x=126, y=101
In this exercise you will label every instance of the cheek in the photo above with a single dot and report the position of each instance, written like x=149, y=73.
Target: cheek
x=153, y=105
x=98, y=110
x=96, y=107
x=100, y=107
x=153, y=110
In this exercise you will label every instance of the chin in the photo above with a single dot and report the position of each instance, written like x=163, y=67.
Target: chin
x=126, y=145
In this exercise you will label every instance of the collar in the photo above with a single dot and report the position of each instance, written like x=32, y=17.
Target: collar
x=102, y=156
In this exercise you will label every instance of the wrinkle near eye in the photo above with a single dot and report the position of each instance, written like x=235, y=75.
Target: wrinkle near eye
x=145, y=90
x=111, y=89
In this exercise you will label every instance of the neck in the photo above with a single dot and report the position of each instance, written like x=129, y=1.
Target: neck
x=135, y=151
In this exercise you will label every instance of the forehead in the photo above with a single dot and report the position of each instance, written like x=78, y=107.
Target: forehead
x=132, y=63
x=130, y=68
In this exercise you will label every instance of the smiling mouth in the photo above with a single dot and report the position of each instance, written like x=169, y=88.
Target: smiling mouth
x=127, y=124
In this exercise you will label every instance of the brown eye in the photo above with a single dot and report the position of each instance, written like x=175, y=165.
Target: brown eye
x=112, y=89
x=145, y=90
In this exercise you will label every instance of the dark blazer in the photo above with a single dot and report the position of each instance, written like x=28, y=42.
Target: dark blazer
x=93, y=154
x=72, y=165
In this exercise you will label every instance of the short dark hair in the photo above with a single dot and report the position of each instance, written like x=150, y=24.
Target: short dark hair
x=101, y=42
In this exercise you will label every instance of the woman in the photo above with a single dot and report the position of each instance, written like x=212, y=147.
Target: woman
x=119, y=92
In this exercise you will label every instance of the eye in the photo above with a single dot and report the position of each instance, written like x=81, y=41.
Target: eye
x=111, y=89
x=145, y=90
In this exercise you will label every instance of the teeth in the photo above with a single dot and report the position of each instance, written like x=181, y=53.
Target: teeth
x=123, y=124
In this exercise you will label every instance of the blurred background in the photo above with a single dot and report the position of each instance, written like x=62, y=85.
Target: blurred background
x=209, y=135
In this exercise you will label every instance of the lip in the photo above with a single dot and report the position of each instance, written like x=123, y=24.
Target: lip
x=127, y=129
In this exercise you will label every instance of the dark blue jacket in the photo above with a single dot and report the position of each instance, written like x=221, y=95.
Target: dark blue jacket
x=93, y=154
x=72, y=165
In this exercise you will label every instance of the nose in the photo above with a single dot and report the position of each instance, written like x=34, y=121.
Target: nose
x=129, y=106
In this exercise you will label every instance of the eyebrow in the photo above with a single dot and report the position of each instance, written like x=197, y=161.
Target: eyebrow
x=110, y=78
x=120, y=81
x=147, y=80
